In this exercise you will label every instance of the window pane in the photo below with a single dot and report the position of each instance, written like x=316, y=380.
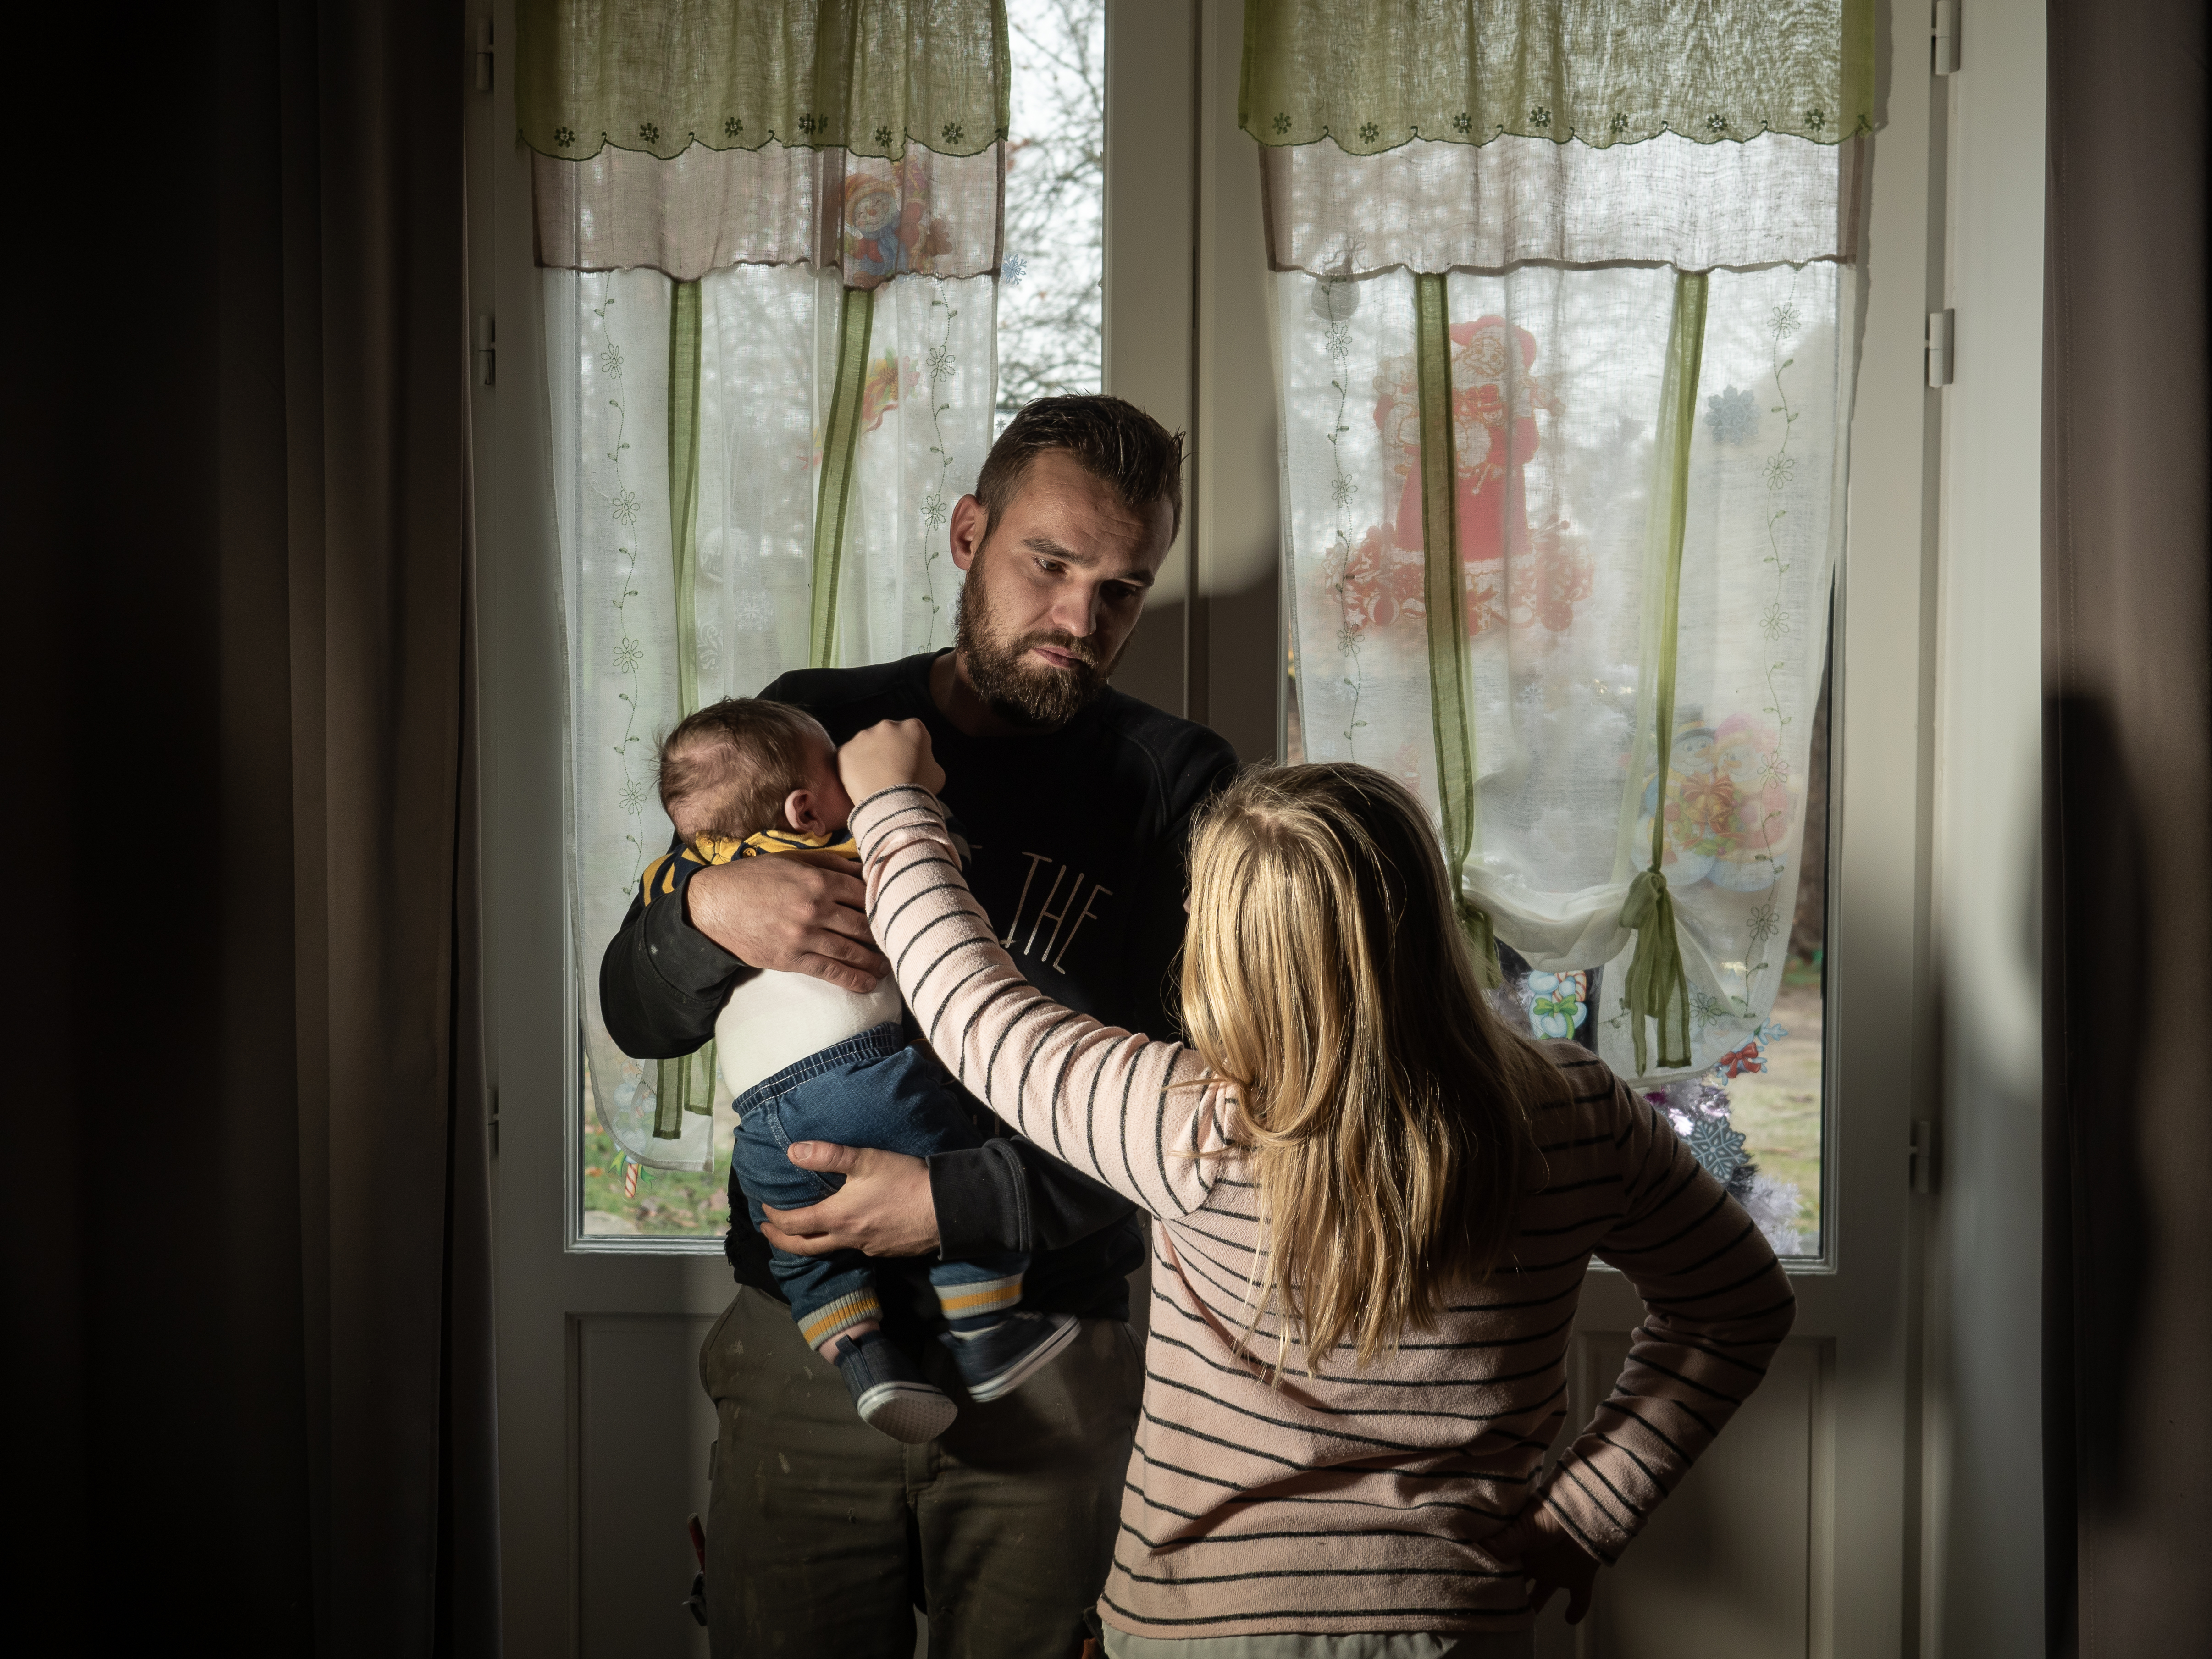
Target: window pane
x=1778, y=1109
x=1755, y=1120
x=1050, y=339
x=664, y=1203
x=1051, y=291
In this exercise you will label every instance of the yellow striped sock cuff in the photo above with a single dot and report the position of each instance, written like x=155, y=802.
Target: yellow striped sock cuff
x=984, y=1296
x=841, y=1315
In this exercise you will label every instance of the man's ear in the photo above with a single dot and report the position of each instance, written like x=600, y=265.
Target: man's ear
x=798, y=812
x=971, y=523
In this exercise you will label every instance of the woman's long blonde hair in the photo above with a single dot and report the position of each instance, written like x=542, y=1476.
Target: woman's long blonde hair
x=1383, y=1105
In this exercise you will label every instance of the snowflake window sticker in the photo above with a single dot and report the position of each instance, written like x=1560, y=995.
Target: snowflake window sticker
x=1733, y=416
x=754, y=609
x=1716, y=1146
x=1011, y=269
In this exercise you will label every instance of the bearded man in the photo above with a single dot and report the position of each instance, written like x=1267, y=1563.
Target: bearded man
x=822, y=1534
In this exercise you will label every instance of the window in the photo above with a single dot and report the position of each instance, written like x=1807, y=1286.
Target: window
x=1051, y=282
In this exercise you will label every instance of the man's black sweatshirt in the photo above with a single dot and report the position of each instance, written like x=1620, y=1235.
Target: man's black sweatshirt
x=1077, y=839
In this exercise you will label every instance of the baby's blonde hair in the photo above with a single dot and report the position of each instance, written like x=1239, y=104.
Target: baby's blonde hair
x=1384, y=1105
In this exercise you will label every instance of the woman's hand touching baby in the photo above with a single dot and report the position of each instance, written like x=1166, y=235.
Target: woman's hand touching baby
x=887, y=755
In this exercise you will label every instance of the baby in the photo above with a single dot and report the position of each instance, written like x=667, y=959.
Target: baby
x=805, y=1060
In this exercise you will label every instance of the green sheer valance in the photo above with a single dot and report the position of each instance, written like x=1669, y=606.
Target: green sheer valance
x=1375, y=74
x=871, y=77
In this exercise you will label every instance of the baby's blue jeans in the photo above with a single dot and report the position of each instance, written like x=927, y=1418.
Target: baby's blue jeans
x=868, y=1090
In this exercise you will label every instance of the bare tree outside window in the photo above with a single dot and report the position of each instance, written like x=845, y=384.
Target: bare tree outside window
x=1051, y=293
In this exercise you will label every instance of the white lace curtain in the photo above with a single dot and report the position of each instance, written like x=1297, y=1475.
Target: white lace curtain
x=772, y=369
x=1563, y=462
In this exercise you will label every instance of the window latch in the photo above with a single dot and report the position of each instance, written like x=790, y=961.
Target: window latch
x=484, y=56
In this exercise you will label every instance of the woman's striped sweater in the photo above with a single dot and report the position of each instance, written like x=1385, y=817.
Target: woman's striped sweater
x=1352, y=1500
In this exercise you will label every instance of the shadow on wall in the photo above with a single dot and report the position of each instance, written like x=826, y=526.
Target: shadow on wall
x=2100, y=1004
x=1219, y=665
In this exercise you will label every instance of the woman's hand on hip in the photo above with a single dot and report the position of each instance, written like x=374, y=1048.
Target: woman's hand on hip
x=1538, y=1542
x=887, y=755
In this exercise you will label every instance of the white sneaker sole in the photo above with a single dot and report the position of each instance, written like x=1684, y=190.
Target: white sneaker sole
x=914, y=1413
x=1029, y=1365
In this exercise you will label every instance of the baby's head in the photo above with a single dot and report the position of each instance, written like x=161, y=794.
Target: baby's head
x=744, y=765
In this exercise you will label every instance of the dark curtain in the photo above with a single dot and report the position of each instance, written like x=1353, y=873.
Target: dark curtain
x=2128, y=790
x=249, y=1253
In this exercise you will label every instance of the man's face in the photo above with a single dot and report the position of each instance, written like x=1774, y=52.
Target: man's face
x=1054, y=588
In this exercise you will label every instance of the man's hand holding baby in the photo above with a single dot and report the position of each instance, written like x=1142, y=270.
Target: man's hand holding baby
x=791, y=915
x=887, y=755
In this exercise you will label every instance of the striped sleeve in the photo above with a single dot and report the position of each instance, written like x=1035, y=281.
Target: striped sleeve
x=1137, y=1114
x=1717, y=1305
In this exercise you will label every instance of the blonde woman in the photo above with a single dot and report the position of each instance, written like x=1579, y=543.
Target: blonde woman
x=1376, y=1206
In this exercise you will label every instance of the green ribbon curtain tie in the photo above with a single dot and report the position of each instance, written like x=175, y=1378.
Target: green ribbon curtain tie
x=840, y=440
x=1453, y=721
x=686, y=1085
x=1656, y=988
x=1482, y=938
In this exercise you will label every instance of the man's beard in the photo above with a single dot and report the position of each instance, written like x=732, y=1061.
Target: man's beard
x=1017, y=689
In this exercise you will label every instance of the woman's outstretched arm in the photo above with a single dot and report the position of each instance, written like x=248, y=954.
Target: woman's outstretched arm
x=1114, y=1104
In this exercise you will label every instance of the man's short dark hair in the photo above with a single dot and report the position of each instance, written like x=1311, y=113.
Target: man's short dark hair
x=1112, y=439
x=727, y=770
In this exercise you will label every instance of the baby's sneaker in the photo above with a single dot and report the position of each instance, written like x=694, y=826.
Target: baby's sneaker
x=1000, y=1358
x=890, y=1391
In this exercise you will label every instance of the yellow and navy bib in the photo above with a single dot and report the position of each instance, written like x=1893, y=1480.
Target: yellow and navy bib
x=661, y=874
